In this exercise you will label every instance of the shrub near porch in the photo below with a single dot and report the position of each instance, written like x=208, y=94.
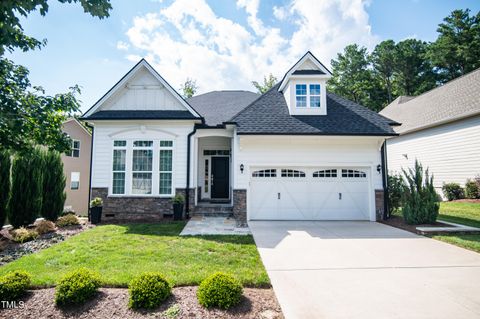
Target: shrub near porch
x=120, y=252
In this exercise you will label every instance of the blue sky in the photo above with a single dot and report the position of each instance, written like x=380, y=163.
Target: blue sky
x=222, y=44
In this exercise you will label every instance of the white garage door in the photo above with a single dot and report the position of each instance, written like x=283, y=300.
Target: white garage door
x=309, y=194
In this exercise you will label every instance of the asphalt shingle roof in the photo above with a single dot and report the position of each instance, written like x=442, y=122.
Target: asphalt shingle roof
x=142, y=115
x=220, y=106
x=269, y=115
x=456, y=99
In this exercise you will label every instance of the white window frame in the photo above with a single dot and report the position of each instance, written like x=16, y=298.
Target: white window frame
x=70, y=153
x=151, y=172
x=120, y=148
x=155, y=166
x=77, y=180
x=170, y=148
x=308, y=95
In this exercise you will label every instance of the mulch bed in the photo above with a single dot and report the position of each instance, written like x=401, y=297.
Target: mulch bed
x=112, y=303
x=11, y=250
x=398, y=222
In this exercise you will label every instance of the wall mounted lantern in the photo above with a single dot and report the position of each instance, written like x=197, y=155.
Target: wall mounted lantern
x=241, y=168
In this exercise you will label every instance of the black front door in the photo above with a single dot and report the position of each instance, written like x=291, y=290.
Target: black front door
x=220, y=177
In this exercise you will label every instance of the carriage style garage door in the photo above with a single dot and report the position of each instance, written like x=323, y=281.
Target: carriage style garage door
x=309, y=194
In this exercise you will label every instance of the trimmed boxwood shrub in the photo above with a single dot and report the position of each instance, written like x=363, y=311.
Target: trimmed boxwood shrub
x=472, y=189
x=13, y=285
x=453, y=191
x=77, y=287
x=219, y=290
x=148, y=290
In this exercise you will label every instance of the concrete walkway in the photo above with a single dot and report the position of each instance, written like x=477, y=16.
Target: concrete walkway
x=206, y=225
x=366, y=270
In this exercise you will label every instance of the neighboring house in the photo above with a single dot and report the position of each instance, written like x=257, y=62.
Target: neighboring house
x=296, y=152
x=440, y=128
x=76, y=166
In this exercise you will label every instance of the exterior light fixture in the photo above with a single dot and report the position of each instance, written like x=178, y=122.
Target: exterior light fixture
x=379, y=168
x=241, y=168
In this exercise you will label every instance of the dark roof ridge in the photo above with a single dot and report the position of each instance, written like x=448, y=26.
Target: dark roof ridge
x=253, y=102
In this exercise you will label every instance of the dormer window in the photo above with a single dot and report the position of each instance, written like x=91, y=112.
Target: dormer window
x=301, y=95
x=310, y=98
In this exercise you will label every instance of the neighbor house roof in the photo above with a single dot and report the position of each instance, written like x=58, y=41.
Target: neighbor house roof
x=269, y=115
x=457, y=99
x=218, y=107
x=142, y=115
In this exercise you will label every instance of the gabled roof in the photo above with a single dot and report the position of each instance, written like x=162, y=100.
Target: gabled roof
x=218, y=107
x=73, y=119
x=124, y=80
x=321, y=69
x=142, y=115
x=457, y=99
x=269, y=115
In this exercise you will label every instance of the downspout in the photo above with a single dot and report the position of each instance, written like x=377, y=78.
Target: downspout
x=187, y=191
x=386, y=213
x=90, y=170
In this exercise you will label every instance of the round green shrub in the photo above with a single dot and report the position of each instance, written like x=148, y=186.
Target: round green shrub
x=148, y=290
x=453, y=191
x=13, y=285
x=472, y=189
x=219, y=290
x=77, y=287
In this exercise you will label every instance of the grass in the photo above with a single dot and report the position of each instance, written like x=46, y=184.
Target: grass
x=120, y=252
x=461, y=213
x=471, y=242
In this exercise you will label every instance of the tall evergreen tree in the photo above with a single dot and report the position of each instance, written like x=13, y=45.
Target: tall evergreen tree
x=457, y=48
x=351, y=76
x=25, y=202
x=383, y=63
x=4, y=184
x=413, y=71
x=53, y=186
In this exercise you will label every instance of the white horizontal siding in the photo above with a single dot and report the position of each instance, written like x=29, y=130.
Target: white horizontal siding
x=105, y=133
x=305, y=151
x=450, y=151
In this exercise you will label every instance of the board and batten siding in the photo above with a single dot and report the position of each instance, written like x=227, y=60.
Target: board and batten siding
x=105, y=133
x=450, y=151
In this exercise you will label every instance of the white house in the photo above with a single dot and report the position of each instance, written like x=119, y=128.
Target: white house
x=440, y=128
x=296, y=152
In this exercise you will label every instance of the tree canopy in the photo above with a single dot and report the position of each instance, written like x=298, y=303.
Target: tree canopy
x=268, y=82
x=28, y=116
x=189, y=88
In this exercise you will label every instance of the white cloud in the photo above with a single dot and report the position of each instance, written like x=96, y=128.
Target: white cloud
x=122, y=45
x=187, y=39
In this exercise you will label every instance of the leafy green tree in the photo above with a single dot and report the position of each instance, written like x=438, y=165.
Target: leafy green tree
x=189, y=88
x=5, y=164
x=27, y=116
x=53, y=186
x=383, y=63
x=268, y=82
x=351, y=76
x=413, y=71
x=25, y=202
x=457, y=48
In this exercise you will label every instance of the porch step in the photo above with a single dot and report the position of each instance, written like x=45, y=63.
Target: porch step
x=213, y=210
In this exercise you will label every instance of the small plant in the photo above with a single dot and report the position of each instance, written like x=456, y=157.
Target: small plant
x=68, y=220
x=420, y=198
x=44, y=227
x=96, y=202
x=453, y=191
x=22, y=235
x=472, y=189
x=148, y=290
x=13, y=285
x=172, y=312
x=395, y=192
x=178, y=199
x=77, y=287
x=219, y=290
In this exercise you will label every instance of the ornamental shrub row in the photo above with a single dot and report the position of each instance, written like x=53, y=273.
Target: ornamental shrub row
x=146, y=291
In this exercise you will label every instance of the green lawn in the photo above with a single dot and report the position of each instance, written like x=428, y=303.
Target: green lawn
x=461, y=213
x=120, y=252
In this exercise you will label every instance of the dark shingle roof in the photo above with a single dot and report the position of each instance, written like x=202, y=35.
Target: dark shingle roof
x=142, y=115
x=269, y=115
x=307, y=72
x=220, y=106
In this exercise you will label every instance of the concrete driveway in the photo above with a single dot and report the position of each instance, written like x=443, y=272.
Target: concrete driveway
x=366, y=270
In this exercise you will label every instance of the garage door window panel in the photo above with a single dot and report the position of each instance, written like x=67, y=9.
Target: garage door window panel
x=325, y=173
x=292, y=173
x=265, y=173
x=351, y=173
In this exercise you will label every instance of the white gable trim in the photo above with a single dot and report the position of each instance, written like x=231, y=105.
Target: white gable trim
x=79, y=124
x=308, y=56
x=128, y=76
